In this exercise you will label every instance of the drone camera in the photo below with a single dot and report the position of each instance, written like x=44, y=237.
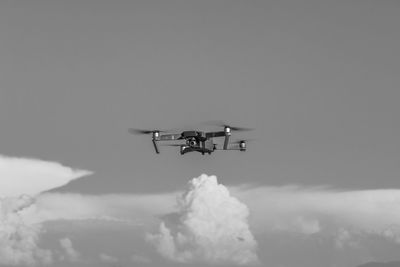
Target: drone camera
x=192, y=143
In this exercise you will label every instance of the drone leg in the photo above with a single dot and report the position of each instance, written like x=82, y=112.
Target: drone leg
x=203, y=147
x=156, y=147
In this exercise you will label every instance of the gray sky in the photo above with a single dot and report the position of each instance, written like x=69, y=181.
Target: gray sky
x=318, y=80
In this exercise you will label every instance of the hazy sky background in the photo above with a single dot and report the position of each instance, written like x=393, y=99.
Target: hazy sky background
x=318, y=80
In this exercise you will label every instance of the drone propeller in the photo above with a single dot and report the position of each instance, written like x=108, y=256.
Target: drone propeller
x=223, y=124
x=239, y=129
x=141, y=131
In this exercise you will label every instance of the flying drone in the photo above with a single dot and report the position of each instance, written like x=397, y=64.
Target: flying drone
x=195, y=140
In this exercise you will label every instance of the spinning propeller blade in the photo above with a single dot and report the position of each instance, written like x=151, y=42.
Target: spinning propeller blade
x=141, y=131
x=223, y=124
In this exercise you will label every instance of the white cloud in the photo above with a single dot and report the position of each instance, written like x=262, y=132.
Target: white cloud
x=20, y=178
x=138, y=209
x=207, y=224
x=21, y=220
x=190, y=229
x=341, y=214
x=345, y=239
x=18, y=240
x=211, y=226
x=70, y=253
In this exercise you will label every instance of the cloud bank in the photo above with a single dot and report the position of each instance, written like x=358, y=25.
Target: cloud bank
x=209, y=223
x=20, y=181
x=137, y=209
x=210, y=226
x=342, y=214
x=19, y=176
x=18, y=240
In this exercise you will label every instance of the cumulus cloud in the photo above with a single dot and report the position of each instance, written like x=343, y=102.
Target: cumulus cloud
x=210, y=226
x=20, y=181
x=22, y=221
x=18, y=240
x=70, y=253
x=344, y=215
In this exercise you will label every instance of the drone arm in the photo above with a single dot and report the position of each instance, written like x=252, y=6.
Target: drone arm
x=163, y=137
x=169, y=137
x=240, y=146
x=236, y=148
x=226, y=133
x=215, y=134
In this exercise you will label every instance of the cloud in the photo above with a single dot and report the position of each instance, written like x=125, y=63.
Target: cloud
x=210, y=226
x=18, y=240
x=344, y=239
x=209, y=223
x=137, y=209
x=108, y=258
x=22, y=220
x=70, y=253
x=344, y=215
x=19, y=176
x=20, y=181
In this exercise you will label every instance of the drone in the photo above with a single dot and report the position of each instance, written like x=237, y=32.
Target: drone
x=195, y=140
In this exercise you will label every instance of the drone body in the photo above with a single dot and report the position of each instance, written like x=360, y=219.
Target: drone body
x=199, y=141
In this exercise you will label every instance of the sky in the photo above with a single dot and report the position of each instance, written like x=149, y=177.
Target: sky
x=317, y=80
